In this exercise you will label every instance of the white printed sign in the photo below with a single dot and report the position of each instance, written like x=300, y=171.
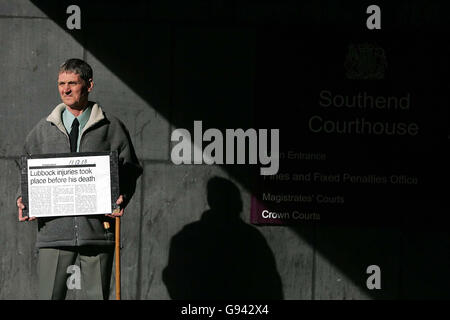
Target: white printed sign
x=69, y=186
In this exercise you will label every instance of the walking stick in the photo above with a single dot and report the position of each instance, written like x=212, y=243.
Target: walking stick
x=117, y=254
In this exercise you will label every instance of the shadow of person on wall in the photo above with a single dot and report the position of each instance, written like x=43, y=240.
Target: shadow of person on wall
x=220, y=256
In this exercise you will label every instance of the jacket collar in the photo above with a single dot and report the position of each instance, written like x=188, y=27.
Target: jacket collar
x=96, y=116
x=55, y=117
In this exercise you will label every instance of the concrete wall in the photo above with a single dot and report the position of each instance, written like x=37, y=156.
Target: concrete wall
x=313, y=262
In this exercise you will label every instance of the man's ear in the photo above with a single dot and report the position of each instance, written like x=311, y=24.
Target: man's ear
x=90, y=85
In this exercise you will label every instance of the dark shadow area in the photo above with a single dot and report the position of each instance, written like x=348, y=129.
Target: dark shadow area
x=220, y=257
x=248, y=65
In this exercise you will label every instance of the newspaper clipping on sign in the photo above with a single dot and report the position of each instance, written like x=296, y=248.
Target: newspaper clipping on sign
x=69, y=186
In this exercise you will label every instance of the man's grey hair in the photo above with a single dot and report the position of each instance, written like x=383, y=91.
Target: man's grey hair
x=79, y=67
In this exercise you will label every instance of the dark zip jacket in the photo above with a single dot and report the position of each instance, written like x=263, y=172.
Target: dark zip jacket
x=100, y=133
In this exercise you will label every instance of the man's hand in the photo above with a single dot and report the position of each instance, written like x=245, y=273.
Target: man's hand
x=120, y=213
x=21, y=206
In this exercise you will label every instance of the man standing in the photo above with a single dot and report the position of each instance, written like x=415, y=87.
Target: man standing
x=79, y=125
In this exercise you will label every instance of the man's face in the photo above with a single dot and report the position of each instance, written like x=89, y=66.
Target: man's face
x=73, y=90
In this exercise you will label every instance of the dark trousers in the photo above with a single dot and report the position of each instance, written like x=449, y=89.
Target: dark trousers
x=95, y=266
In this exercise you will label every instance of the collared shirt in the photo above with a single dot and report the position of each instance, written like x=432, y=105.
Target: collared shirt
x=68, y=117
